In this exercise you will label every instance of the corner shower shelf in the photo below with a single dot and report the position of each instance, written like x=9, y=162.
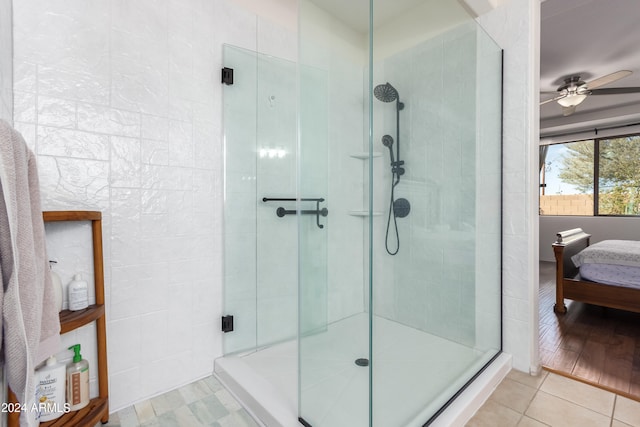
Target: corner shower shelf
x=98, y=408
x=364, y=213
x=70, y=320
x=364, y=155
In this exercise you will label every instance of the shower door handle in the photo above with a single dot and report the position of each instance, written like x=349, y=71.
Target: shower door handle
x=281, y=212
x=317, y=212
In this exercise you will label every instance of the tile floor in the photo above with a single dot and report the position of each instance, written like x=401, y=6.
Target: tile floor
x=519, y=401
x=553, y=400
x=202, y=403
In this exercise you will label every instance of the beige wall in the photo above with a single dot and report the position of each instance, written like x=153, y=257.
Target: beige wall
x=574, y=204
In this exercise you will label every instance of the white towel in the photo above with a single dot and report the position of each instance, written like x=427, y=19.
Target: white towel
x=30, y=322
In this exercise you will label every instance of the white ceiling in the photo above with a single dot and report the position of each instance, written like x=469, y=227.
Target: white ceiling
x=590, y=38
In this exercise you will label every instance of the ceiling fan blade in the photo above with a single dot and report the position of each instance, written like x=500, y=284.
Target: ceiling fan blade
x=567, y=111
x=609, y=78
x=615, y=91
x=553, y=99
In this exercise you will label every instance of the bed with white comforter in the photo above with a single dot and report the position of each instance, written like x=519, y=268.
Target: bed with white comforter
x=606, y=273
x=612, y=262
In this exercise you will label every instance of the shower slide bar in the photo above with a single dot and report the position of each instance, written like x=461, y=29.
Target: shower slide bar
x=281, y=212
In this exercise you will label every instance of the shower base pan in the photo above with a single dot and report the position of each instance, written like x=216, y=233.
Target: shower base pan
x=415, y=374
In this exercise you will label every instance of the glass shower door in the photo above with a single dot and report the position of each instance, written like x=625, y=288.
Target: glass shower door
x=316, y=349
x=240, y=195
x=437, y=299
x=260, y=289
x=401, y=125
x=333, y=160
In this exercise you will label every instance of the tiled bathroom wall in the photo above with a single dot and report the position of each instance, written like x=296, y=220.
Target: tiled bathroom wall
x=431, y=283
x=515, y=27
x=121, y=101
x=489, y=180
x=6, y=62
x=333, y=57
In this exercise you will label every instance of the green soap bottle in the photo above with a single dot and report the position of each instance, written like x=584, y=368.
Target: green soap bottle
x=77, y=380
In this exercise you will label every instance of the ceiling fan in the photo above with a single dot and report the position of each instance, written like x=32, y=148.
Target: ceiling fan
x=574, y=90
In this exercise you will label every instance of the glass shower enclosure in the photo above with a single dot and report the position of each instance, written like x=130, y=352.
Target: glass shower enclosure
x=363, y=213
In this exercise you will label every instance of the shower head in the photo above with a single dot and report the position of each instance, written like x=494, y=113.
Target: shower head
x=386, y=93
x=387, y=141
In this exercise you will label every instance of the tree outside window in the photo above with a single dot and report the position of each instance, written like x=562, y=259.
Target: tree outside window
x=568, y=184
x=619, y=176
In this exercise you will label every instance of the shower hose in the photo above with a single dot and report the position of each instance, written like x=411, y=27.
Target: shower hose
x=394, y=182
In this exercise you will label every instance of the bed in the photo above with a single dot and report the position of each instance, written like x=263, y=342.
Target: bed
x=604, y=287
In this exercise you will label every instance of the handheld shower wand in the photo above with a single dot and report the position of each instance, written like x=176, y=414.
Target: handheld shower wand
x=387, y=141
x=396, y=168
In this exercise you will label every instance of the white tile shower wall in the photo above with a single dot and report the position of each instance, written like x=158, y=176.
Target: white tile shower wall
x=277, y=260
x=515, y=27
x=6, y=62
x=313, y=164
x=336, y=55
x=488, y=158
x=346, y=250
x=431, y=286
x=121, y=102
x=426, y=20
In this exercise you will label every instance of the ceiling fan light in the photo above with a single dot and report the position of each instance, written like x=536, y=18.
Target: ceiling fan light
x=572, y=99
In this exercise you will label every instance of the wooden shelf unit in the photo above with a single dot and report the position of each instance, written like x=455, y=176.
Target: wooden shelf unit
x=98, y=408
x=88, y=416
x=70, y=320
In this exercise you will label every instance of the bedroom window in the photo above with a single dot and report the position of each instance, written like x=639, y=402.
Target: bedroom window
x=591, y=177
x=566, y=178
x=619, y=176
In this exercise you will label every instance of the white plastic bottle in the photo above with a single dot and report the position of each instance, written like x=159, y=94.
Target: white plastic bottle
x=51, y=383
x=57, y=286
x=78, y=293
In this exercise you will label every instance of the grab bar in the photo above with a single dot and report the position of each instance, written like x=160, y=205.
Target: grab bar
x=281, y=212
x=268, y=199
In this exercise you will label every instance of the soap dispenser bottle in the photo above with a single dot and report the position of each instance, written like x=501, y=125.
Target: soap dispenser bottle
x=51, y=380
x=78, y=293
x=77, y=380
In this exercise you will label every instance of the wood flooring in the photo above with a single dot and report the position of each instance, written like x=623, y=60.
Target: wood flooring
x=600, y=346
